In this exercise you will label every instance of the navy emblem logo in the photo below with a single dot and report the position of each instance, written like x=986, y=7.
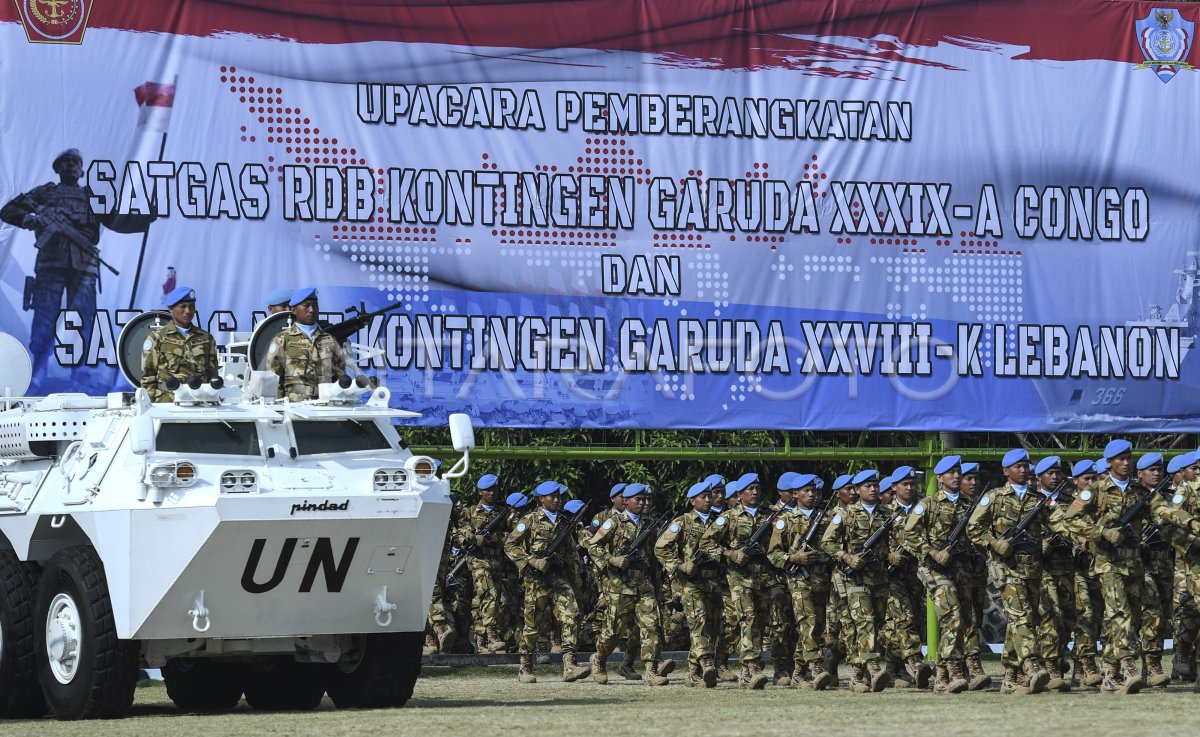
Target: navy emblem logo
x=1165, y=39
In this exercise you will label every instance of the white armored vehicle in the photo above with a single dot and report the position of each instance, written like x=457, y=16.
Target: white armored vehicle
x=242, y=544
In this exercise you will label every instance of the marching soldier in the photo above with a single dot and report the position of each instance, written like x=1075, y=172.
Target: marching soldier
x=838, y=629
x=304, y=356
x=678, y=549
x=867, y=586
x=1160, y=579
x=782, y=619
x=631, y=597
x=485, y=561
x=793, y=550
x=1185, y=618
x=906, y=596
x=1088, y=601
x=632, y=644
x=1103, y=514
x=992, y=526
x=1058, y=579
x=548, y=576
x=179, y=350
x=729, y=539
x=973, y=586
x=729, y=626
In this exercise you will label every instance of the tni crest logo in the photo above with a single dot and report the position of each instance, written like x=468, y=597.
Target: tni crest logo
x=54, y=21
x=1165, y=39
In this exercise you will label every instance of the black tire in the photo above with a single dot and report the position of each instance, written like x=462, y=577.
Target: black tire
x=380, y=674
x=20, y=692
x=199, y=684
x=98, y=682
x=279, y=683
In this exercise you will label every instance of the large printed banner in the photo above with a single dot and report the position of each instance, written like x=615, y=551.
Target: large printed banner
x=822, y=215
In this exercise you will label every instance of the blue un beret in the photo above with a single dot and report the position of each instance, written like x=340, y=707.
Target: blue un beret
x=617, y=489
x=1101, y=465
x=486, y=481
x=179, y=294
x=746, y=479
x=803, y=480
x=302, y=294
x=573, y=506
x=632, y=490
x=1148, y=460
x=885, y=484
x=1117, y=447
x=1046, y=464
x=1082, y=467
x=1179, y=462
x=546, y=488
x=863, y=477
x=1013, y=457
x=278, y=297
x=841, y=481
x=697, y=489
x=947, y=463
x=516, y=500
x=715, y=480
x=819, y=481
x=903, y=473
x=787, y=481
x=970, y=468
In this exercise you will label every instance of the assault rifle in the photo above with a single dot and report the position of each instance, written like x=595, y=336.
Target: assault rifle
x=1129, y=537
x=753, y=546
x=956, y=543
x=633, y=551
x=867, y=549
x=471, y=549
x=342, y=331
x=1017, y=535
x=814, y=522
x=568, y=526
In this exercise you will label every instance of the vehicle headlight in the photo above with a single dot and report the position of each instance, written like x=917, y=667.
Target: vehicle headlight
x=422, y=469
x=390, y=479
x=239, y=482
x=173, y=473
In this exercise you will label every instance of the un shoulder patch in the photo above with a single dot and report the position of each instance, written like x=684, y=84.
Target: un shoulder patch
x=837, y=519
x=780, y=525
x=607, y=524
x=986, y=500
x=919, y=509
x=674, y=527
x=721, y=521
x=595, y=523
x=1085, y=495
x=520, y=527
x=1177, y=499
x=147, y=345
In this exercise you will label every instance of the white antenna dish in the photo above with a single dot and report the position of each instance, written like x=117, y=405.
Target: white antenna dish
x=16, y=370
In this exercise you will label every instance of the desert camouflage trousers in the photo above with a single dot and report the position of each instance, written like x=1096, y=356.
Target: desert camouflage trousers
x=1089, y=608
x=1060, y=588
x=837, y=619
x=905, y=615
x=627, y=614
x=867, y=606
x=1124, y=593
x=702, y=608
x=545, y=597
x=751, y=609
x=1185, y=616
x=973, y=593
x=1160, y=585
x=492, y=593
x=727, y=642
x=810, y=603
x=783, y=623
x=948, y=595
x=1031, y=625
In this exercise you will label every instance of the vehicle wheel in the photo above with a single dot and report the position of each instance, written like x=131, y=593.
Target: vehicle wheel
x=381, y=673
x=20, y=692
x=199, y=684
x=279, y=683
x=85, y=670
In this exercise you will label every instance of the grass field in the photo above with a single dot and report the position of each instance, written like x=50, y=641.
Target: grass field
x=482, y=702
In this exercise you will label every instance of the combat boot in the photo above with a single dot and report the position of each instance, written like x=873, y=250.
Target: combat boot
x=525, y=672
x=571, y=670
x=495, y=642
x=1183, y=666
x=956, y=677
x=1057, y=682
x=900, y=677
x=1036, y=676
x=599, y=669
x=978, y=679
x=1109, y=679
x=708, y=671
x=798, y=677
x=1013, y=682
x=625, y=669
x=724, y=674
x=555, y=642
x=783, y=672
x=879, y=677
x=652, y=677
x=430, y=646
x=1131, y=682
x=858, y=679
x=1155, y=676
x=1088, y=674
x=693, y=675
x=833, y=658
x=919, y=670
x=666, y=667
x=445, y=637
x=757, y=680
x=821, y=678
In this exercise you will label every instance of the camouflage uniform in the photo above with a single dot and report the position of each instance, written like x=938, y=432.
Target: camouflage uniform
x=1030, y=625
x=169, y=352
x=808, y=585
x=1058, y=583
x=782, y=618
x=1119, y=568
x=749, y=584
x=302, y=364
x=549, y=593
x=487, y=574
x=729, y=630
x=1159, y=563
x=700, y=588
x=867, y=590
x=632, y=599
x=905, y=618
x=1185, y=617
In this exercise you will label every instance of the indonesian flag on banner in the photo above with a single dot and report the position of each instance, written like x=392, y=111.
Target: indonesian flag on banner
x=154, y=101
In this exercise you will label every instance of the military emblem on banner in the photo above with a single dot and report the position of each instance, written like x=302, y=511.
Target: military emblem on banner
x=54, y=21
x=1165, y=39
